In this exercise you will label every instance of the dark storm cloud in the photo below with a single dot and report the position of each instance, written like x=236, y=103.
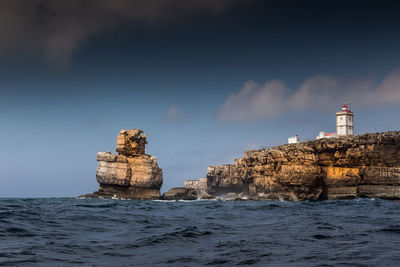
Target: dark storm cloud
x=55, y=29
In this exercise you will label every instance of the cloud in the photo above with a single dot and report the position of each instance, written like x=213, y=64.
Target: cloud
x=55, y=29
x=173, y=113
x=265, y=101
x=177, y=115
x=372, y=94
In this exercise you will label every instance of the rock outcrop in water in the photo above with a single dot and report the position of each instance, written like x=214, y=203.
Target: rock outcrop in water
x=200, y=186
x=180, y=193
x=131, y=173
x=366, y=165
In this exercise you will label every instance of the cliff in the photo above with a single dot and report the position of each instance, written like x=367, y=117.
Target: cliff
x=131, y=173
x=200, y=186
x=366, y=165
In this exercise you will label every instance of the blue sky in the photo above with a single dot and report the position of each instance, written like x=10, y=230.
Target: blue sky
x=205, y=81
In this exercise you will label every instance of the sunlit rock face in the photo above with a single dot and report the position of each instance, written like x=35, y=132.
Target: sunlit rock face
x=131, y=173
x=366, y=165
x=200, y=186
x=131, y=143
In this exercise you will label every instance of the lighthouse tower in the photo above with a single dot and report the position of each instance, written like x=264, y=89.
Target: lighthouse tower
x=344, y=122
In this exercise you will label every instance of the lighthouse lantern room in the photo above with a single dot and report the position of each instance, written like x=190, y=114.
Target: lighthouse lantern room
x=344, y=122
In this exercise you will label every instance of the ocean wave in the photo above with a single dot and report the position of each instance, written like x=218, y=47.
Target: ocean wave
x=52, y=232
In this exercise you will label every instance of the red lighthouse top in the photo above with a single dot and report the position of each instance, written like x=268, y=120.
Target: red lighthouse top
x=344, y=108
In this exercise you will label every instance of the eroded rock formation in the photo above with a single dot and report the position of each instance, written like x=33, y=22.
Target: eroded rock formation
x=366, y=165
x=130, y=174
x=131, y=143
x=200, y=186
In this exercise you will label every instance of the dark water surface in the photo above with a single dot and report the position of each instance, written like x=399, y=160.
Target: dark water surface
x=67, y=231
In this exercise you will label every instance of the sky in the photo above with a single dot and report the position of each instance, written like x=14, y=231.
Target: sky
x=205, y=80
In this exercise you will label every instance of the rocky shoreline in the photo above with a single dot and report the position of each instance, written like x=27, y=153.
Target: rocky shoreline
x=365, y=165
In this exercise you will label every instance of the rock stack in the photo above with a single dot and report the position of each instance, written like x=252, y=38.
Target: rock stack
x=130, y=174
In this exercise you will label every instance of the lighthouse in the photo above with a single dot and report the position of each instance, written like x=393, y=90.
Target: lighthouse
x=344, y=122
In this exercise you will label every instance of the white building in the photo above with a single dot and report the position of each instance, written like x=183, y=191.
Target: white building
x=294, y=139
x=325, y=135
x=344, y=122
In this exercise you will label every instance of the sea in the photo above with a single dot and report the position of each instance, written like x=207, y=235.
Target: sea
x=100, y=232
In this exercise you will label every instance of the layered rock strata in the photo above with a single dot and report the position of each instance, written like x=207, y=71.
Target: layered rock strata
x=131, y=173
x=366, y=165
x=200, y=186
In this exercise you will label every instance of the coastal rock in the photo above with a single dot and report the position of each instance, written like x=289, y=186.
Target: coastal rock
x=200, y=186
x=113, y=169
x=366, y=165
x=124, y=192
x=180, y=193
x=131, y=143
x=131, y=174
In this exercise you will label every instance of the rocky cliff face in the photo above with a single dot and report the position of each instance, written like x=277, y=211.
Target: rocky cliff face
x=130, y=174
x=361, y=166
x=200, y=186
